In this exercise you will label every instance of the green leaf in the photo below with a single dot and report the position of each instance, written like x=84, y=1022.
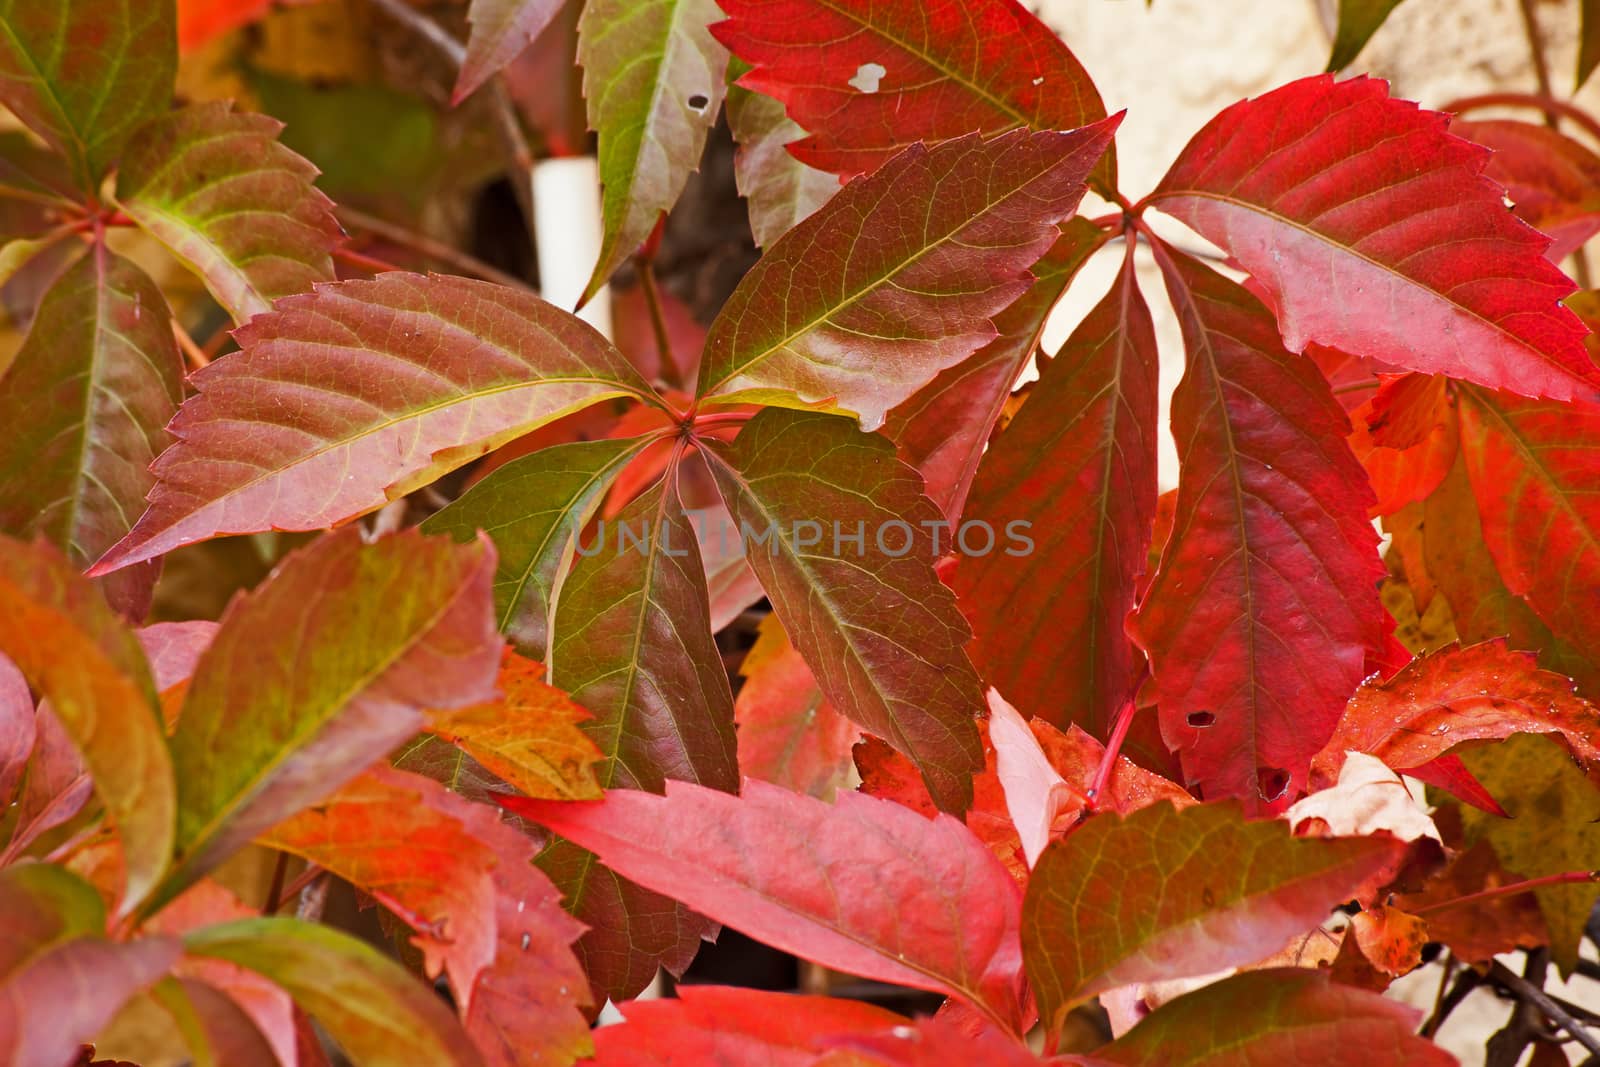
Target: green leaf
x=82, y=74
x=533, y=508
x=57, y=628
x=1167, y=893
x=379, y=1014
x=878, y=629
x=654, y=80
x=864, y=301
x=1284, y=1015
x=318, y=674
x=1554, y=827
x=1358, y=21
x=1588, y=42
x=216, y=187
x=500, y=30
x=85, y=403
x=778, y=189
x=633, y=645
x=355, y=394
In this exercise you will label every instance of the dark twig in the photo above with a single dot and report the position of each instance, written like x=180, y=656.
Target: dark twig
x=658, y=323
x=1465, y=983
x=1531, y=994
x=428, y=247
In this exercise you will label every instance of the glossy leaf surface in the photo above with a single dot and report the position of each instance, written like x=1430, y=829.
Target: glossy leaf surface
x=830, y=317
x=1350, y=209
x=359, y=392
x=855, y=609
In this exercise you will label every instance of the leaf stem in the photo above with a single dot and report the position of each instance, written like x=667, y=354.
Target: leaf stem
x=191, y=351
x=1511, y=889
x=1108, y=761
x=658, y=321
x=432, y=249
x=1547, y=104
x=362, y=261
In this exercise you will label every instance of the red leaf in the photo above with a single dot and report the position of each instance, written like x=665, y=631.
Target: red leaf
x=1481, y=692
x=862, y=303
x=387, y=834
x=1374, y=230
x=934, y=1042
x=1553, y=181
x=17, y=730
x=867, y=79
x=944, y=428
x=501, y=29
x=173, y=649
x=359, y=392
x=1078, y=465
x=60, y=980
x=1406, y=437
x=1260, y=617
x=1478, y=931
x=1165, y=894
x=789, y=734
x=855, y=610
x=864, y=886
x=1535, y=471
x=714, y=1026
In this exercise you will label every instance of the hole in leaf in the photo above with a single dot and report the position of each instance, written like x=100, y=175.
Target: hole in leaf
x=1273, y=781
x=1201, y=719
x=699, y=101
x=867, y=77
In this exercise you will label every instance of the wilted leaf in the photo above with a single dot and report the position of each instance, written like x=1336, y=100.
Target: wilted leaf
x=529, y=736
x=216, y=187
x=501, y=29
x=1300, y=186
x=533, y=508
x=867, y=79
x=1368, y=798
x=1260, y=617
x=1554, y=827
x=86, y=401
x=1484, y=691
x=378, y=1013
x=1078, y=466
x=1036, y=794
x=317, y=674
x=83, y=73
x=864, y=886
x=654, y=78
x=856, y=609
x=778, y=189
x=1285, y=1016
x=1166, y=893
x=56, y=627
x=1483, y=929
x=944, y=428
x=347, y=397
x=865, y=301
x=789, y=734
